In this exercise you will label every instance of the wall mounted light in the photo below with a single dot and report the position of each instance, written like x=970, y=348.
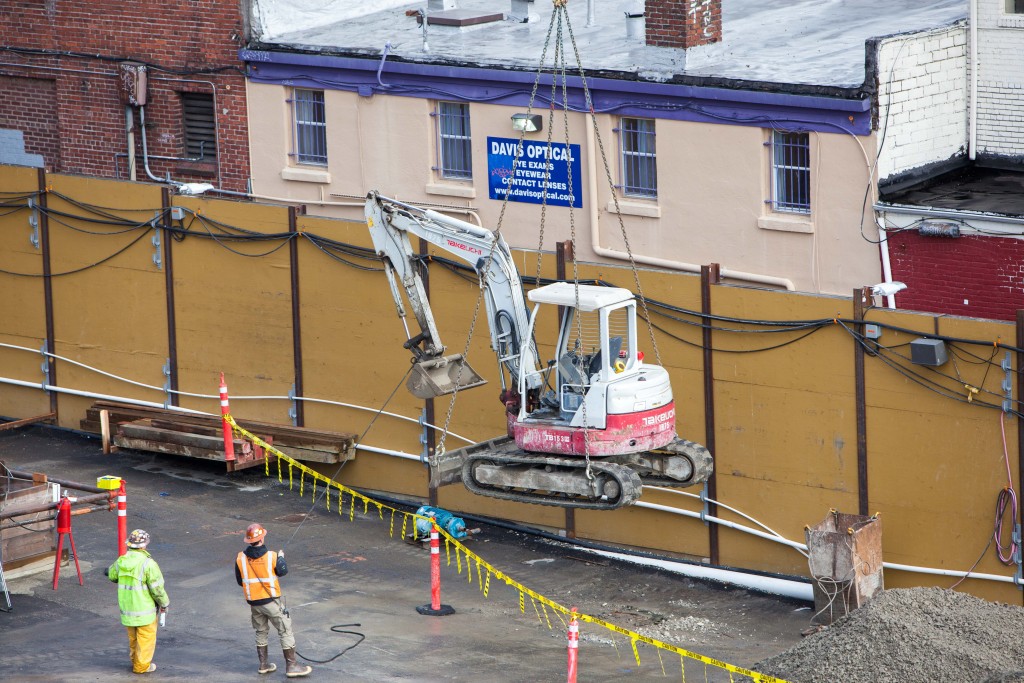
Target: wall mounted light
x=527, y=123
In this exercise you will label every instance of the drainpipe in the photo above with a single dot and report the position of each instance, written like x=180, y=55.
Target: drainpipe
x=595, y=234
x=591, y=13
x=129, y=126
x=972, y=106
x=883, y=247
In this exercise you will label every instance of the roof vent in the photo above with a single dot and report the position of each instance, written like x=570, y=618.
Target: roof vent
x=523, y=12
x=635, y=22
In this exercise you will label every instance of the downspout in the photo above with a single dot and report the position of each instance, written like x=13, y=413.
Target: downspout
x=972, y=106
x=883, y=247
x=595, y=235
x=145, y=149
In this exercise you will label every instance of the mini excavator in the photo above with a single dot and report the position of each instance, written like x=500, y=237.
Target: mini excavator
x=587, y=428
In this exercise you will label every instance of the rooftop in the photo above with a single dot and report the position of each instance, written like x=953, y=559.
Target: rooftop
x=805, y=42
x=976, y=188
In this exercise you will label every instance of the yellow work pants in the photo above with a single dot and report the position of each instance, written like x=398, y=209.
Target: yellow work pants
x=141, y=646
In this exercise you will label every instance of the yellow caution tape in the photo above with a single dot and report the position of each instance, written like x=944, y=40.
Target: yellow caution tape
x=482, y=566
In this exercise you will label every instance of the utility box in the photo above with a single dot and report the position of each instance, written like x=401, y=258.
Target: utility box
x=928, y=352
x=133, y=83
x=845, y=558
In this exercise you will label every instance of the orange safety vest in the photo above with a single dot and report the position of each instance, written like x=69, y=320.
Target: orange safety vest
x=258, y=578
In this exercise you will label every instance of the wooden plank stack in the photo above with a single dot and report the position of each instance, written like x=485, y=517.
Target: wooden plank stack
x=28, y=538
x=201, y=436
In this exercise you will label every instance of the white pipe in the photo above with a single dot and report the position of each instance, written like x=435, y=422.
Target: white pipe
x=765, y=584
x=595, y=235
x=591, y=13
x=102, y=397
x=946, y=572
x=145, y=148
x=883, y=246
x=385, y=451
x=972, y=106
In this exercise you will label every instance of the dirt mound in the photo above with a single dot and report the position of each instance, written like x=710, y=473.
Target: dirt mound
x=913, y=635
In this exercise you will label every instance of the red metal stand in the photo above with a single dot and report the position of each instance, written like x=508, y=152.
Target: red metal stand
x=122, y=520
x=229, y=440
x=574, y=642
x=435, y=608
x=64, y=529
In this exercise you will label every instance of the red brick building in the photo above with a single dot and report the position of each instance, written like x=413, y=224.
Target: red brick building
x=66, y=86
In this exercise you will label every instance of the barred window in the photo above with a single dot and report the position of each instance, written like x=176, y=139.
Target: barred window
x=639, y=161
x=310, y=146
x=200, y=126
x=791, y=172
x=455, y=159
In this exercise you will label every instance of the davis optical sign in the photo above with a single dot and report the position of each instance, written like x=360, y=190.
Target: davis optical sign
x=540, y=169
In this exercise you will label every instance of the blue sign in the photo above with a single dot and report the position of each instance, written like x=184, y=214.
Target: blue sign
x=539, y=169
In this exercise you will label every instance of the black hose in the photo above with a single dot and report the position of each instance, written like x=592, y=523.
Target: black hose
x=337, y=628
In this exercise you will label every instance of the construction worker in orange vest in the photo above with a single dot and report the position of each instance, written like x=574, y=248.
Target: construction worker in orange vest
x=256, y=571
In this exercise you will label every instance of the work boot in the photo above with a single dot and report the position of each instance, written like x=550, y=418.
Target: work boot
x=265, y=666
x=293, y=669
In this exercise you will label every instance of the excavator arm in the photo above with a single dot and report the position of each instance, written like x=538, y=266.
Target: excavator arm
x=391, y=223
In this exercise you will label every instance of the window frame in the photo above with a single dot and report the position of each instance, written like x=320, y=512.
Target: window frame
x=308, y=129
x=454, y=140
x=638, y=157
x=790, y=172
x=1013, y=8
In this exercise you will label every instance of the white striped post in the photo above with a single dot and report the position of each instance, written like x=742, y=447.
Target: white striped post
x=435, y=608
x=122, y=520
x=574, y=643
x=229, y=440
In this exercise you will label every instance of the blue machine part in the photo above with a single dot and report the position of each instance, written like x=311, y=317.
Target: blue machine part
x=453, y=526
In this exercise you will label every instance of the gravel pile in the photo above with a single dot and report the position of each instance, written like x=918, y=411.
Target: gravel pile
x=912, y=635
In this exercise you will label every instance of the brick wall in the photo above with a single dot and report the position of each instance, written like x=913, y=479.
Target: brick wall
x=976, y=276
x=191, y=45
x=683, y=23
x=28, y=105
x=922, y=99
x=1000, y=80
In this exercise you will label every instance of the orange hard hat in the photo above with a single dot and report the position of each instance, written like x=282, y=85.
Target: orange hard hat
x=255, y=533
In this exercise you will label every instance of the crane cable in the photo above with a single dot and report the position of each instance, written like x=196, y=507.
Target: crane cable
x=490, y=254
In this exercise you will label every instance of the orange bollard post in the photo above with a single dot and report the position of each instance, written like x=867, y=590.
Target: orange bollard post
x=574, y=642
x=229, y=440
x=122, y=520
x=435, y=608
x=64, y=529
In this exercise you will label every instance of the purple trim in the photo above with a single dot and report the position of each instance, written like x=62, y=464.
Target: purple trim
x=512, y=88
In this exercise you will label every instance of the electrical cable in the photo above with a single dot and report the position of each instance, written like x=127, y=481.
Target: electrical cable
x=337, y=628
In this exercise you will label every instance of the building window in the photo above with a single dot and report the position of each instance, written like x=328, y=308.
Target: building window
x=200, y=125
x=1015, y=6
x=310, y=127
x=639, y=162
x=791, y=172
x=455, y=158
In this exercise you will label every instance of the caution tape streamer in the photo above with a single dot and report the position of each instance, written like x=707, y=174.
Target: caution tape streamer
x=484, y=570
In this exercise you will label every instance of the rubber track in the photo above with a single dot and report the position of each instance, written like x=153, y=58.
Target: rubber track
x=699, y=457
x=629, y=481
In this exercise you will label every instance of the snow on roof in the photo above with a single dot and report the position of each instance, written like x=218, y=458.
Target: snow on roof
x=807, y=42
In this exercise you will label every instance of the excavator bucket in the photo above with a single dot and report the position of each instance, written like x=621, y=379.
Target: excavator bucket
x=440, y=376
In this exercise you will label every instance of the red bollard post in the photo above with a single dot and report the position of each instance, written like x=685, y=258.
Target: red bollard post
x=122, y=520
x=229, y=439
x=435, y=608
x=574, y=642
x=64, y=529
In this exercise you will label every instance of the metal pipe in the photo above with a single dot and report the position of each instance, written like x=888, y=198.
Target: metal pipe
x=216, y=114
x=172, y=325
x=293, y=270
x=145, y=148
x=860, y=391
x=386, y=451
x=972, y=105
x=708, y=276
x=883, y=247
x=66, y=483
x=90, y=394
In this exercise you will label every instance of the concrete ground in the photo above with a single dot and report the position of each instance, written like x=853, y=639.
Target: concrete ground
x=344, y=572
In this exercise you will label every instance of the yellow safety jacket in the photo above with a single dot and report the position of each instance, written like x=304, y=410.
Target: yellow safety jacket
x=140, y=587
x=259, y=580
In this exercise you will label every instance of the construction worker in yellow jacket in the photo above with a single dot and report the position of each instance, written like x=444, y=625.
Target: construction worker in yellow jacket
x=256, y=571
x=140, y=596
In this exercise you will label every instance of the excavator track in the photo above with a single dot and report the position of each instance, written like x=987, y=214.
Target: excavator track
x=525, y=477
x=679, y=464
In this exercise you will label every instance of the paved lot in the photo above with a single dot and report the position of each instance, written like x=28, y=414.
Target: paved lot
x=346, y=572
